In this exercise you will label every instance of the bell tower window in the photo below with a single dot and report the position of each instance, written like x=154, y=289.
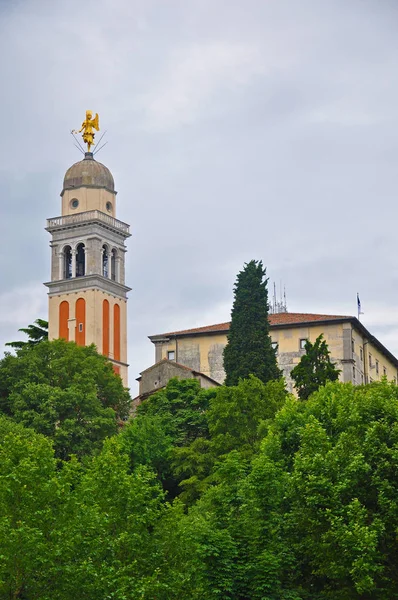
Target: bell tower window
x=113, y=264
x=80, y=260
x=67, y=262
x=105, y=261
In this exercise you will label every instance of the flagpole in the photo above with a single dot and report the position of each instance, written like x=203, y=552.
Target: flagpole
x=359, y=306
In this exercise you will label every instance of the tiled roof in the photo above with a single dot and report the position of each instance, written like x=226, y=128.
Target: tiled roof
x=177, y=364
x=275, y=320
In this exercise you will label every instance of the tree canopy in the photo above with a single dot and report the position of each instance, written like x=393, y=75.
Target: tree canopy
x=235, y=492
x=249, y=348
x=69, y=393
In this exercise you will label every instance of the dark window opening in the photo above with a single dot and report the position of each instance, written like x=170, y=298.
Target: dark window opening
x=113, y=265
x=67, y=262
x=303, y=342
x=105, y=261
x=80, y=261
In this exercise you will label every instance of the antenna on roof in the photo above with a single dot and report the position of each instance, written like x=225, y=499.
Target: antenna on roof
x=278, y=306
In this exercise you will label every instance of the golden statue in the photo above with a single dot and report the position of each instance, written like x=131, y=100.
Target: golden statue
x=88, y=127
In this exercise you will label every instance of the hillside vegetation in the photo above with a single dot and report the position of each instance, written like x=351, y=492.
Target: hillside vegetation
x=239, y=492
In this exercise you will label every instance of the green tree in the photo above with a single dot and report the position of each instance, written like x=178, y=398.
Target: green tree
x=238, y=418
x=182, y=407
x=324, y=490
x=106, y=533
x=36, y=332
x=315, y=368
x=249, y=349
x=92, y=530
x=69, y=393
x=30, y=502
x=167, y=421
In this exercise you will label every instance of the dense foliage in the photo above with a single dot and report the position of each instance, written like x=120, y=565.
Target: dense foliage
x=232, y=493
x=67, y=392
x=249, y=349
x=315, y=368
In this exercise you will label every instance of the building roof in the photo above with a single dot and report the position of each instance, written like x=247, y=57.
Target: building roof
x=283, y=321
x=178, y=365
x=88, y=173
x=278, y=319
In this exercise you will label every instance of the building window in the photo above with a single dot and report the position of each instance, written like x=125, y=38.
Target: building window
x=361, y=354
x=74, y=203
x=275, y=347
x=353, y=346
x=377, y=367
x=80, y=261
x=384, y=372
x=362, y=379
x=370, y=360
x=303, y=342
x=353, y=373
x=80, y=327
x=171, y=355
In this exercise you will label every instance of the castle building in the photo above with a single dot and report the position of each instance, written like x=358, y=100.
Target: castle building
x=87, y=291
x=359, y=355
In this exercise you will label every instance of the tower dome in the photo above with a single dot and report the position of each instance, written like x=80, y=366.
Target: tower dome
x=88, y=173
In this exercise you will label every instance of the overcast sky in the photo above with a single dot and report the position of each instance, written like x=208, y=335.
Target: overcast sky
x=237, y=129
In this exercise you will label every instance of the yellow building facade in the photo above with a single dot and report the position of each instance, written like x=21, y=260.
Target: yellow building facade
x=87, y=291
x=358, y=354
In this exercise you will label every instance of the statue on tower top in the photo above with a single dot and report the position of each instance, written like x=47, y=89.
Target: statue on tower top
x=88, y=127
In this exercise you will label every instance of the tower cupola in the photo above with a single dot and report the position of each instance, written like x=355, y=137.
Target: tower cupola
x=88, y=185
x=88, y=173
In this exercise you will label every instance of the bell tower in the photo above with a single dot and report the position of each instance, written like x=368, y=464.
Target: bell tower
x=87, y=291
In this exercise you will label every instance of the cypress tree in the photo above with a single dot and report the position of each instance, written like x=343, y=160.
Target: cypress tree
x=249, y=349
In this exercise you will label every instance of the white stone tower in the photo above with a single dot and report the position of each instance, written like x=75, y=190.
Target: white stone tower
x=87, y=291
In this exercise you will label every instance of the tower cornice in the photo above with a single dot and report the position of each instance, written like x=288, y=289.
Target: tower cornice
x=87, y=282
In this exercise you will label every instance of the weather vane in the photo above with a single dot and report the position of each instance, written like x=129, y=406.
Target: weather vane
x=88, y=127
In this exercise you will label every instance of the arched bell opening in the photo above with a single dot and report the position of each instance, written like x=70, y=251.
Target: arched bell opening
x=67, y=271
x=80, y=260
x=105, y=261
x=114, y=265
